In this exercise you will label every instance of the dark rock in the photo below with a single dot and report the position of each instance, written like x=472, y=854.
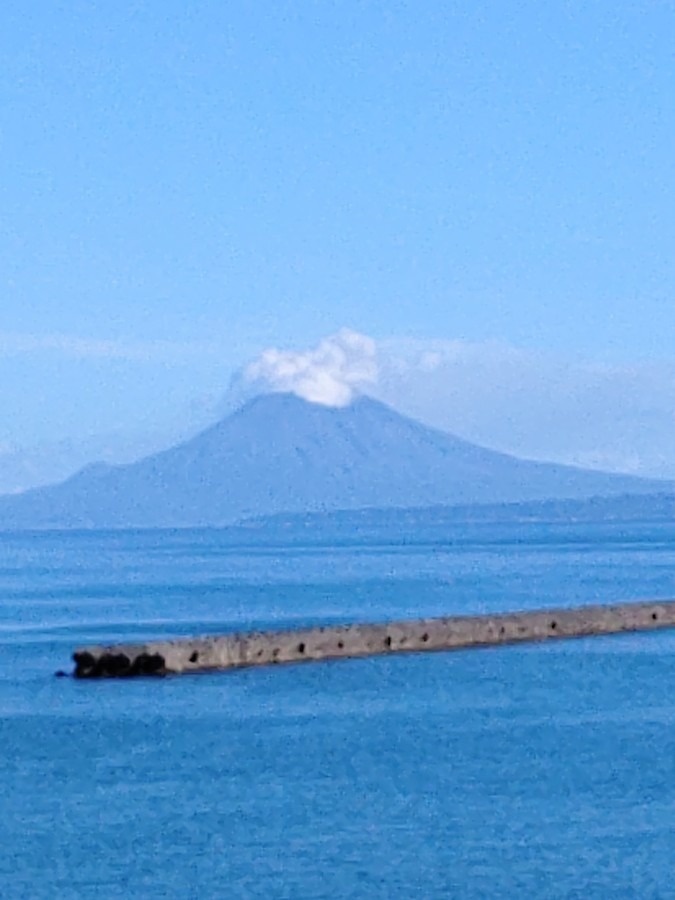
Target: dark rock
x=115, y=664
x=148, y=664
x=85, y=664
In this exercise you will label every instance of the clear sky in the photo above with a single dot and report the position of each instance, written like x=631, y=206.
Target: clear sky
x=186, y=184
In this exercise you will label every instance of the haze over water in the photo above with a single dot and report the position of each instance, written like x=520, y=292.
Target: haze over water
x=545, y=770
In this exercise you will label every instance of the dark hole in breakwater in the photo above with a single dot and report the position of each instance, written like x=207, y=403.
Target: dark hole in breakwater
x=194, y=657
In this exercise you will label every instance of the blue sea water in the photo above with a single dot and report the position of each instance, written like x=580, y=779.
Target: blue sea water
x=543, y=771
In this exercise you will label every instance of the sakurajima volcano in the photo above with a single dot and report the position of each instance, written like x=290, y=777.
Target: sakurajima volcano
x=280, y=453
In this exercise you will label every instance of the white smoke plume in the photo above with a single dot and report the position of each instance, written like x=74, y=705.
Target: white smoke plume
x=532, y=404
x=330, y=373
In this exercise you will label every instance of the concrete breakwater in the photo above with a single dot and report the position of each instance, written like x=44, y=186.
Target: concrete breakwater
x=262, y=648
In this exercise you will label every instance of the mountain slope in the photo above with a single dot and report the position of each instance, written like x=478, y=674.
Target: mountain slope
x=281, y=454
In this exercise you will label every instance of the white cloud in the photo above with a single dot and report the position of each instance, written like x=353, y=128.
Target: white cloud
x=533, y=404
x=330, y=373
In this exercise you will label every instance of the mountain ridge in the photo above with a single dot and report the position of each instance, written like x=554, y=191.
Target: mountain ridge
x=281, y=454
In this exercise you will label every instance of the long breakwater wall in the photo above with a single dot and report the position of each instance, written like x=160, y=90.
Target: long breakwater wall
x=263, y=648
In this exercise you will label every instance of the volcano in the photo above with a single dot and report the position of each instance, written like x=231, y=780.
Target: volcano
x=279, y=453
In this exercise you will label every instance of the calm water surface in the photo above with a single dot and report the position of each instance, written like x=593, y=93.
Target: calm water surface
x=546, y=771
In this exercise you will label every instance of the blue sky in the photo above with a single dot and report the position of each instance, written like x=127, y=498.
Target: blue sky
x=186, y=184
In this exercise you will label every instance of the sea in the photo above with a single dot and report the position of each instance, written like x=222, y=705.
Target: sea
x=539, y=771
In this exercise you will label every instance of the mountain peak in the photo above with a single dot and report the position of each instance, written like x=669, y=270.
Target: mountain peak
x=287, y=400
x=280, y=453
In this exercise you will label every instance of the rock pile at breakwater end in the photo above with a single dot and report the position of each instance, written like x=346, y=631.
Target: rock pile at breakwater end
x=262, y=648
